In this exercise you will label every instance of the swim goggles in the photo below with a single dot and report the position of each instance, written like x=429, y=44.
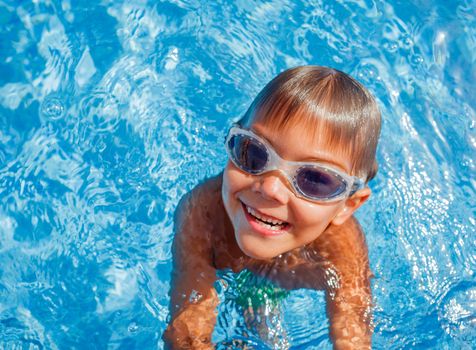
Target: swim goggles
x=313, y=181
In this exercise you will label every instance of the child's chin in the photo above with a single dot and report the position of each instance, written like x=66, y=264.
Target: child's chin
x=257, y=251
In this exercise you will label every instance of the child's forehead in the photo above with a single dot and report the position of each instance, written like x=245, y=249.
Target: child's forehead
x=309, y=127
x=302, y=142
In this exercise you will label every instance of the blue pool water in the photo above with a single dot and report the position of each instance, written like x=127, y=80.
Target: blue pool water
x=110, y=111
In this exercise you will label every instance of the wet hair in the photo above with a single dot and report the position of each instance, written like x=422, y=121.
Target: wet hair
x=337, y=109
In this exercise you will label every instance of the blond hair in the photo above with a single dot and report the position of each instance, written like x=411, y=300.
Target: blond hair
x=337, y=108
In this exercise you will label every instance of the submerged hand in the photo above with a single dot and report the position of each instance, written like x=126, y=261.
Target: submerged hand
x=186, y=333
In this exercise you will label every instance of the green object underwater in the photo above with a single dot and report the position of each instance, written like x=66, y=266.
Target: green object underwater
x=254, y=291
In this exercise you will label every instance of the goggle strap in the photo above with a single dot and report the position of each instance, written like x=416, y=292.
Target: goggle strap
x=358, y=184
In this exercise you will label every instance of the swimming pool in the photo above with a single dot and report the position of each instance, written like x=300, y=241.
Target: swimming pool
x=110, y=112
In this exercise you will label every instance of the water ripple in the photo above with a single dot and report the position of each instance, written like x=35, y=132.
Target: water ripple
x=52, y=108
x=457, y=312
x=108, y=113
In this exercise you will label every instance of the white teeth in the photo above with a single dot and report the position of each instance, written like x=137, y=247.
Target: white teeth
x=270, y=227
x=275, y=222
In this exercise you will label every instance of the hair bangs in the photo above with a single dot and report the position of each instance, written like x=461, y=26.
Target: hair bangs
x=331, y=105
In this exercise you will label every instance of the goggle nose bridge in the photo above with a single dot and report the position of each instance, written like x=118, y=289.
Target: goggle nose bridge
x=277, y=164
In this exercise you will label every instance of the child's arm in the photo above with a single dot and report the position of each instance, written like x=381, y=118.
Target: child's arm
x=338, y=263
x=341, y=268
x=193, y=297
x=348, y=305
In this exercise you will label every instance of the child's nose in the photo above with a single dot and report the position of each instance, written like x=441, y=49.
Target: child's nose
x=272, y=187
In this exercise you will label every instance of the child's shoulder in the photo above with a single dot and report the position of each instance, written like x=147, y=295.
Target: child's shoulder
x=345, y=239
x=195, y=222
x=202, y=197
x=345, y=247
x=200, y=209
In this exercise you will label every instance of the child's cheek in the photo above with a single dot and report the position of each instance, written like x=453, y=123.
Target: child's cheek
x=225, y=185
x=227, y=179
x=314, y=217
x=230, y=185
x=233, y=179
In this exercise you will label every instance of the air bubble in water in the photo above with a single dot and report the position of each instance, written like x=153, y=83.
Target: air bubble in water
x=52, y=108
x=390, y=45
x=195, y=297
x=133, y=327
x=417, y=59
x=406, y=41
x=368, y=72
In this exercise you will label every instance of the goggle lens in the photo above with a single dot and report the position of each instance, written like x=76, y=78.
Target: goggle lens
x=251, y=156
x=248, y=153
x=318, y=184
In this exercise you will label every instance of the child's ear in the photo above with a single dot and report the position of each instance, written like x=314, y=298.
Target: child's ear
x=351, y=205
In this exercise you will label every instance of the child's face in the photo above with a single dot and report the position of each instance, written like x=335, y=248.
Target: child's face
x=269, y=196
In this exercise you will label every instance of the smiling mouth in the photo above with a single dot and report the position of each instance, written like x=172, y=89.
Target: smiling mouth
x=265, y=221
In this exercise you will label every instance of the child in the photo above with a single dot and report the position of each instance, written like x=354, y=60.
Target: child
x=299, y=162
